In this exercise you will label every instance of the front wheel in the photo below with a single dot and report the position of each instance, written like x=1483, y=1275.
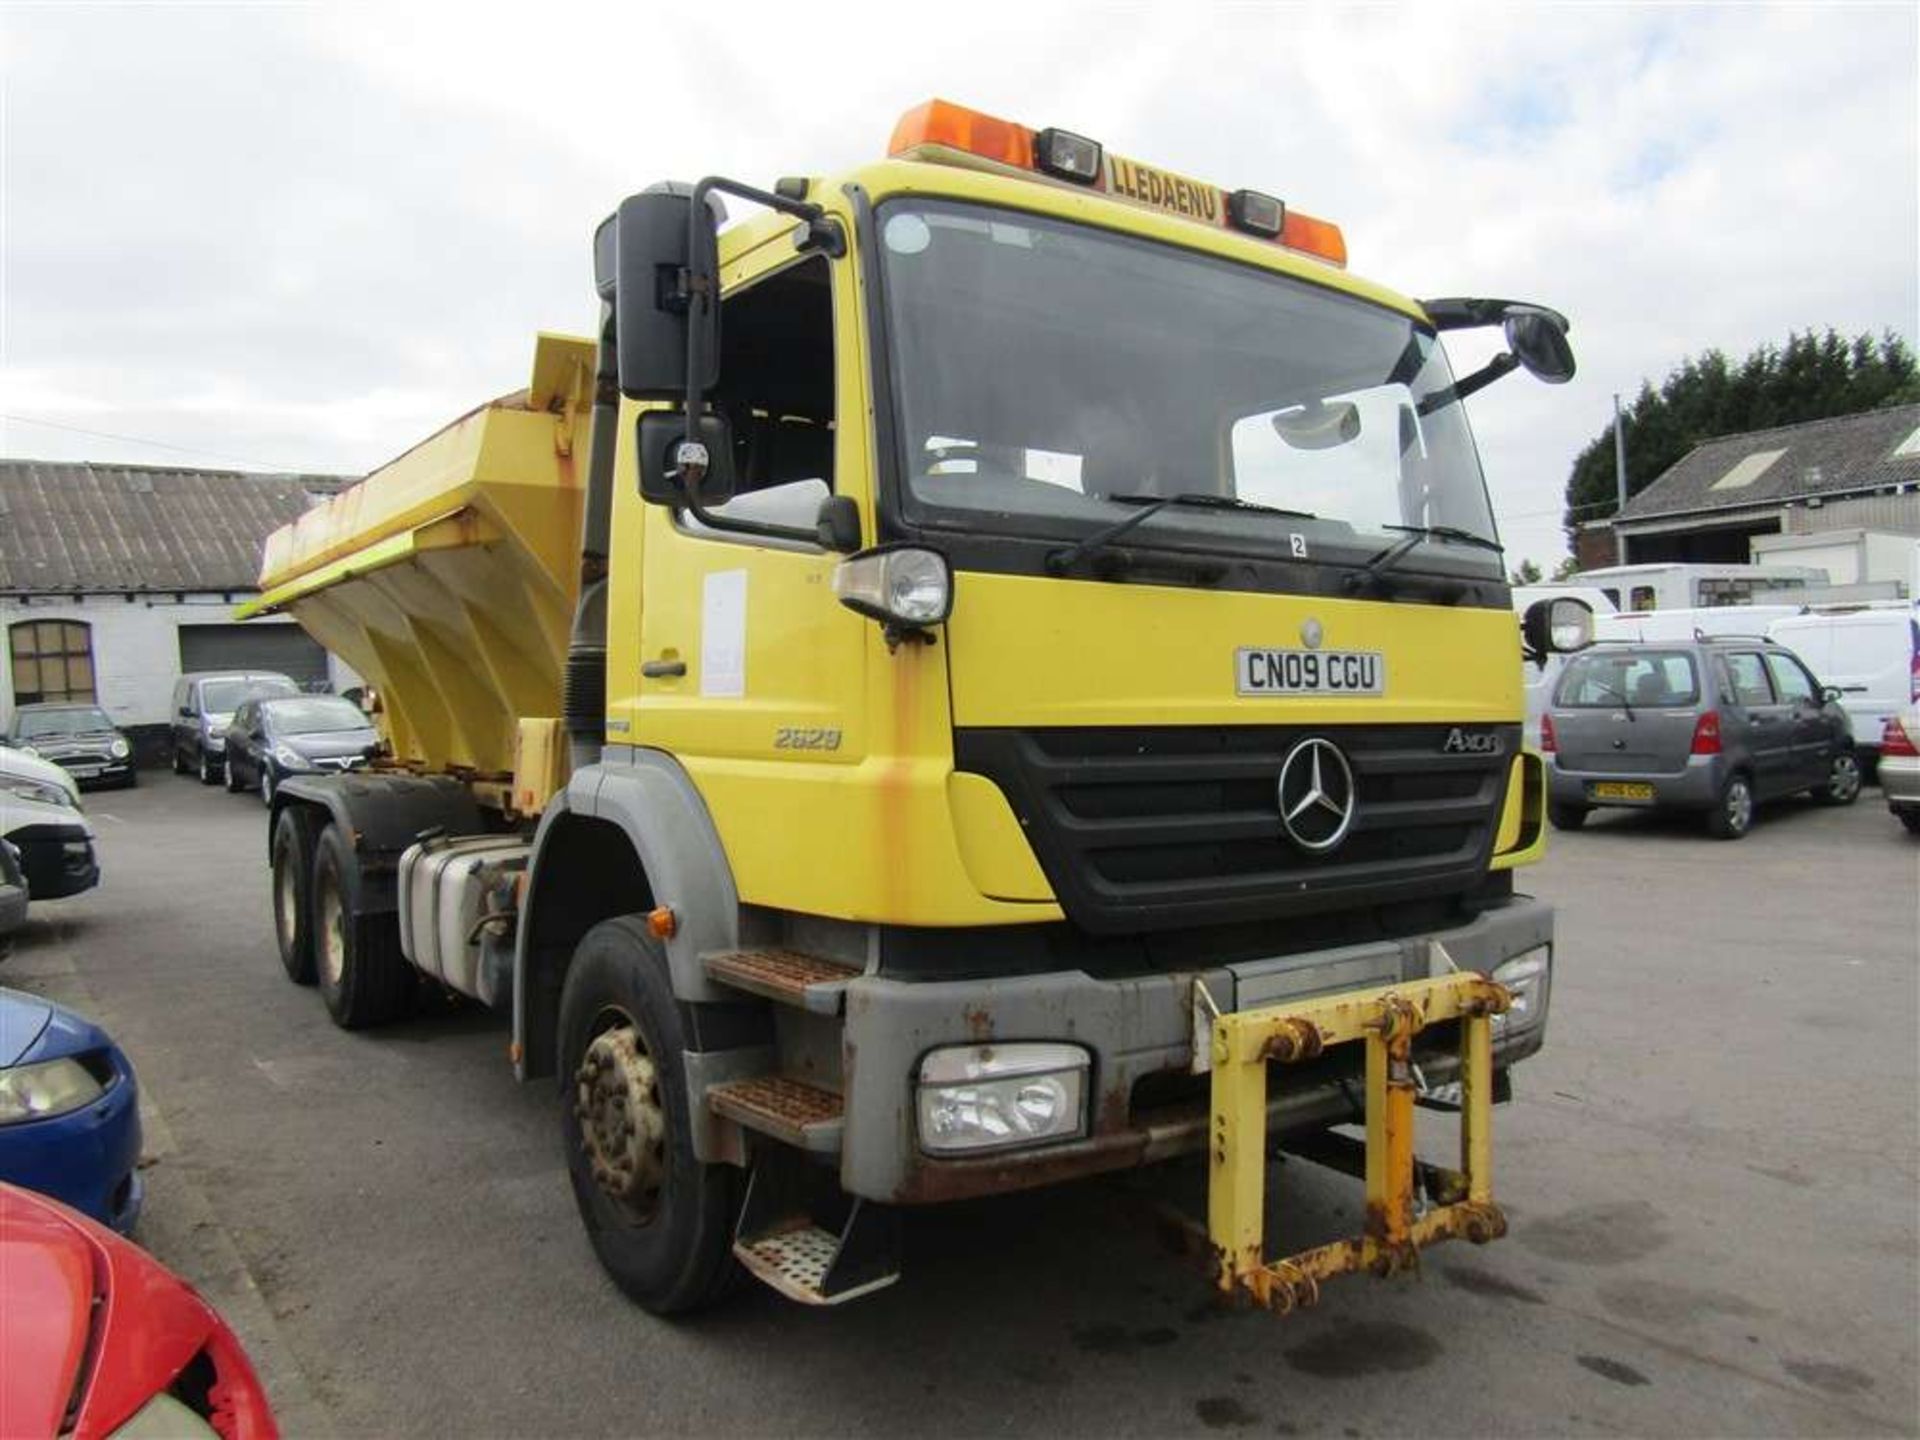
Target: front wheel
x=209, y=772
x=1910, y=819
x=660, y=1220
x=267, y=787
x=1732, y=813
x=1842, y=785
x=364, y=978
x=1565, y=816
x=232, y=774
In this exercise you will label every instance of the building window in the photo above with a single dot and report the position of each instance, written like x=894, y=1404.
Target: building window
x=52, y=660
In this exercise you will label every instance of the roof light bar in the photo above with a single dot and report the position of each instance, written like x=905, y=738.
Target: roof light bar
x=940, y=130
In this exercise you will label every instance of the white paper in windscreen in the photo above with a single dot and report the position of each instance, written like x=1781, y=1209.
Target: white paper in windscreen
x=723, y=634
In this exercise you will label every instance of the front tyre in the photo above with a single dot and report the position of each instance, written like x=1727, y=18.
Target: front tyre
x=208, y=771
x=1732, y=813
x=364, y=979
x=232, y=774
x=660, y=1220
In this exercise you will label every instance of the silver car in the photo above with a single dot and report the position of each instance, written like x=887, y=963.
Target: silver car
x=1714, y=724
x=1900, y=765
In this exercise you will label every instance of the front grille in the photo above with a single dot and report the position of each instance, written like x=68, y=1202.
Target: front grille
x=1154, y=828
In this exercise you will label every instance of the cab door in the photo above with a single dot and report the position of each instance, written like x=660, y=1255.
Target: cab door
x=748, y=670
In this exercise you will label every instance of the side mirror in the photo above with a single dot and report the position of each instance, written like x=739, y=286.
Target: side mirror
x=1538, y=340
x=1830, y=694
x=660, y=433
x=659, y=287
x=1556, y=627
x=1317, y=426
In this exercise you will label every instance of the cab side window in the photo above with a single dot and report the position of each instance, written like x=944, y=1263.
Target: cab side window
x=1795, y=685
x=1747, y=674
x=776, y=378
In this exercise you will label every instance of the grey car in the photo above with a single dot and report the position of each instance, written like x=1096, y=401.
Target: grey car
x=203, y=706
x=297, y=735
x=1714, y=724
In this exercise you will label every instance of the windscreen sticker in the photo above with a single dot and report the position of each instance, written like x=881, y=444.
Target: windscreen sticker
x=723, y=634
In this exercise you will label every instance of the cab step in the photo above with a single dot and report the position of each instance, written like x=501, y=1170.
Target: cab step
x=790, y=977
x=801, y=1115
x=780, y=1243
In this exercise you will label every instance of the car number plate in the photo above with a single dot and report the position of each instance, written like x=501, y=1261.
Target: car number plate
x=1309, y=672
x=85, y=772
x=1621, y=790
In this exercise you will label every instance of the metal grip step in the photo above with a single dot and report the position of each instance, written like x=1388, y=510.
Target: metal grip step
x=791, y=977
x=791, y=1110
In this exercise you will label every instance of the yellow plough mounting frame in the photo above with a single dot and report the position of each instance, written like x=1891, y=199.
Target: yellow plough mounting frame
x=1387, y=1019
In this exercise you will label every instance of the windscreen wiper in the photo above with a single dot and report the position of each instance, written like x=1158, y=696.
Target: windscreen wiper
x=1369, y=574
x=1059, y=562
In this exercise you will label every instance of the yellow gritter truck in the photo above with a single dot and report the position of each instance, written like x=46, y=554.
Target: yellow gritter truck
x=993, y=669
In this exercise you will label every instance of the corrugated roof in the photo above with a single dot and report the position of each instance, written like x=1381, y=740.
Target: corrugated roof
x=1846, y=454
x=78, y=528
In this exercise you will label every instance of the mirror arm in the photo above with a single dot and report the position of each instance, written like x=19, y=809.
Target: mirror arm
x=1504, y=363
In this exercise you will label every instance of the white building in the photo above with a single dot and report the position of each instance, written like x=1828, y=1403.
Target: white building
x=114, y=579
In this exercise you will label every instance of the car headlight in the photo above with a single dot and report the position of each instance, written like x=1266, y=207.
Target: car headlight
x=1526, y=977
x=52, y=1087
x=289, y=757
x=119, y=750
x=39, y=790
x=990, y=1097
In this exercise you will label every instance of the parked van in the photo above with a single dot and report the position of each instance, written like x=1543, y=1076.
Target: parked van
x=203, y=706
x=1870, y=654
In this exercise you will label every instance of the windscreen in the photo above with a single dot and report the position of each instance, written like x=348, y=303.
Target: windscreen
x=314, y=715
x=1040, y=367
x=223, y=697
x=80, y=720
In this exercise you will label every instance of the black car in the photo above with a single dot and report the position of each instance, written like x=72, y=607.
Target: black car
x=80, y=739
x=296, y=735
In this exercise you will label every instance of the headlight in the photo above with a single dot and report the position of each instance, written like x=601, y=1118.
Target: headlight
x=289, y=757
x=903, y=586
x=53, y=1087
x=1526, y=977
x=990, y=1097
x=39, y=790
x=29, y=750
x=119, y=750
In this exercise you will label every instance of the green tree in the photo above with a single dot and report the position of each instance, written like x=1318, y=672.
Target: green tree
x=1527, y=574
x=1567, y=569
x=1813, y=376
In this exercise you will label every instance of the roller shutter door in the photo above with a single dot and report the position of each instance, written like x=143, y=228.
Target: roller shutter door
x=279, y=646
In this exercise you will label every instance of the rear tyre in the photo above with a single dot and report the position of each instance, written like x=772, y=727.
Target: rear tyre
x=1732, y=813
x=1564, y=816
x=364, y=979
x=1842, y=785
x=292, y=870
x=660, y=1220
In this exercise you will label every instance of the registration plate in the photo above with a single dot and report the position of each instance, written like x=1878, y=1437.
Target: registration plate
x=1620, y=790
x=1284, y=673
x=85, y=772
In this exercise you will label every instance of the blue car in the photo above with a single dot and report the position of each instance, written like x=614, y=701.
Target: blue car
x=69, y=1111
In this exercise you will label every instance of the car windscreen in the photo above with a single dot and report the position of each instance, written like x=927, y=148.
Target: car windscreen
x=1608, y=680
x=81, y=720
x=223, y=697
x=313, y=715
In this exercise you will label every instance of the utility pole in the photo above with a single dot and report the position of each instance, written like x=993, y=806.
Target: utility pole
x=1619, y=456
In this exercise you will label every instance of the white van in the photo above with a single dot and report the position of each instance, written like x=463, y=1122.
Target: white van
x=1869, y=653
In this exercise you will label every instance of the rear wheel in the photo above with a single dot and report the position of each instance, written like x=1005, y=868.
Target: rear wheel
x=1732, y=813
x=1842, y=785
x=1563, y=815
x=364, y=978
x=660, y=1220
x=292, y=869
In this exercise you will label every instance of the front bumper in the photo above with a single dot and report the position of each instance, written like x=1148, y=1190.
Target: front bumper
x=87, y=1158
x=57, y=859
x=1697, y=787
x=1144, y=1104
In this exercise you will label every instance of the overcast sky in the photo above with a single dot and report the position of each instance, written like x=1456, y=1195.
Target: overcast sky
x=301, y=237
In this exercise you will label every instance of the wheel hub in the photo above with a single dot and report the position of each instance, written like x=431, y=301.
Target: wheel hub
x=622, y=1127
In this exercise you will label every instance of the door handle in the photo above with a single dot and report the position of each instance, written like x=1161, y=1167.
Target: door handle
x=661, y=669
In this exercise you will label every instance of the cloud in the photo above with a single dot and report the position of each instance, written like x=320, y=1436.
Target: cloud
x=315, y=234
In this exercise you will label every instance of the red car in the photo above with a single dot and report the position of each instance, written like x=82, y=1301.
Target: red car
x=97, y=1338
